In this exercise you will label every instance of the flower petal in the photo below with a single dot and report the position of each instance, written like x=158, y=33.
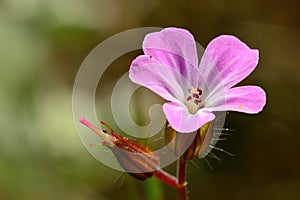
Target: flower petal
x=233, y=59
x=174, y=48
x=182, y=121
x=246, y=99
x=164, y=81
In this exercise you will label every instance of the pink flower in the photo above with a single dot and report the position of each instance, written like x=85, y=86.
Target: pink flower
x=170, y=69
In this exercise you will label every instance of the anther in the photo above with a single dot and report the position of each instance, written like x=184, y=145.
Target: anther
x=199, y=91
x=194, y=99
x=197, y=101
x=195, y=95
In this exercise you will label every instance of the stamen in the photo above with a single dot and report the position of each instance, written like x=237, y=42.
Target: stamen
x=199, y=91
x=195, y=94
x=197, y=101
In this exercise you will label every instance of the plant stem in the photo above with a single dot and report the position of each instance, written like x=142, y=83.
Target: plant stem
x=167, y=178
x=181, y=172
x=180, y=183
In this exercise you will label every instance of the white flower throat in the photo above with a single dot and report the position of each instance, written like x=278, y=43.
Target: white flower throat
x=194, y=100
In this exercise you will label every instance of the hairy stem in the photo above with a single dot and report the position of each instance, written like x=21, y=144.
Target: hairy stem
x=178, y=183
x=181, y=172
x=167, y=178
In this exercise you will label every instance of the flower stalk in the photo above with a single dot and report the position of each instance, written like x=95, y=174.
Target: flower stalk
x=181, y=175
x=173, y=182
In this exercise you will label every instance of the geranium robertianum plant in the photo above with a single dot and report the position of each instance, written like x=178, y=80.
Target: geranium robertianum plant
x=170, y=68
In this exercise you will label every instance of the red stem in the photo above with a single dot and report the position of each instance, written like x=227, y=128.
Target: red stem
x=180, y=183
x=167, y=178
x=181, y=172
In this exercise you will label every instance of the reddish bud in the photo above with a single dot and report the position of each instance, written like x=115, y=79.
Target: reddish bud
x=135, y=158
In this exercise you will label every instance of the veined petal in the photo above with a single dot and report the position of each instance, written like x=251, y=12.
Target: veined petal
x=246, y=99
x=233, y=59
x=176, y=49
x=182, y=121
x=164, y=81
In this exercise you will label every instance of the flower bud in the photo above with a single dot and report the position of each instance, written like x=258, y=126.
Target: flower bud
x=189, y=145
x=135, y=158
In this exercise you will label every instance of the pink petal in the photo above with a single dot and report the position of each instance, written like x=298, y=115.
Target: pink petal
x=246, y=99
x=176, y=49
x=182, y=121
x=166, y=82
x=233, y=59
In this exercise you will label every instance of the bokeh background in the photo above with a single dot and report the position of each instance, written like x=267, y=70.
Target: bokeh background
x=42, y=44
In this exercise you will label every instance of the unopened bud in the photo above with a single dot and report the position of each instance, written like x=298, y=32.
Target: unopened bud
x=189, y=145
x=135, y=158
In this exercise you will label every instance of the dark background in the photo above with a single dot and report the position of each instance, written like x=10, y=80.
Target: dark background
x=42, y=44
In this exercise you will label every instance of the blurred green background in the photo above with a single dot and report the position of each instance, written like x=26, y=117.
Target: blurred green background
x=42, y=44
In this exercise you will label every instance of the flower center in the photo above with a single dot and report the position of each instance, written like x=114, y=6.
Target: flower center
x=194, y=100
